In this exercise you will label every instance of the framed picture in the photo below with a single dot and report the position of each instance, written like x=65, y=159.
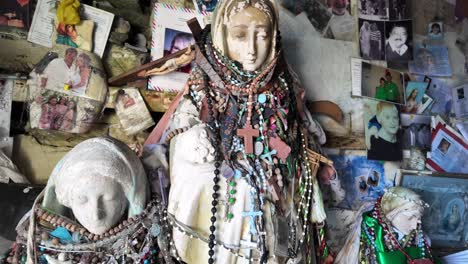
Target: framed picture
x=445, y=220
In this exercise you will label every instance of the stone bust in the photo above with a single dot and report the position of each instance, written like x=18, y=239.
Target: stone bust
x=97, y=182
x=390, y=233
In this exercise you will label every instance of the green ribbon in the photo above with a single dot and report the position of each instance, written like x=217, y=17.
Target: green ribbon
x=389, y=257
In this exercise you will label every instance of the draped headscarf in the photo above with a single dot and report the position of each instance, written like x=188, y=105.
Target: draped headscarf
x=98, y=157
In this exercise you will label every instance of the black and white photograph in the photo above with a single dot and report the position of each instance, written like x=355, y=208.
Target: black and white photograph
x=317, y=12
x=416, y=131
x=372, y=39
x=382, y=131
x=436, y=30
x=399, y=9
x=399, y=40
x=373, y=9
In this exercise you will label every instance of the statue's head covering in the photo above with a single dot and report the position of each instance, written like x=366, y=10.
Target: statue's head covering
x=98, y=157
x=228, y=8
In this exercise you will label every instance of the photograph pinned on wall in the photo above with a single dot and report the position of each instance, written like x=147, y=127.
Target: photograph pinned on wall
x=432, y=60
x=358, y=179
x=399, y=9
x=317, y=12
x=449, y=152
x=373, y=9
x=132, y=111
x=416, y=130
x=440, y=96
x=15, y=13
x=69, y=71
x=460, y=100
x=399, y=40
x=170, y=33
x=342, y=24
x=44, y=31
x=205, y=5
x=382, y=131
x=435, y=30
x=52, y=110
x=414, y=97
x=378, y=83
x=6, y=92
x=372, y=39
x=445, y=218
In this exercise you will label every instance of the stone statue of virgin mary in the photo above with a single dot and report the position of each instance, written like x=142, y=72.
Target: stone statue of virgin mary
x=243, y=185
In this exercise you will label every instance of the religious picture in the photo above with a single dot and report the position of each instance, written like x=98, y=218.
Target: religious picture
x=432, y=60
x=416, y=130
x=382, y=131
x=175, y=41
x=170, y=33
x=76, y=36
x=449, y=151
x=132, y=111
x=15, y=13
x=360, y=179
x=342, y=23
x=52, y=110
x=399, y=40
x=439, y=96
x=399, y=9
x=69, y=72
x=436, y=30
x=382, y=84
x=460, y=100
x=206, y=5
x=6, y=90
x=414, y=96
x=373, y=9
x=371, y=39
x=445, y=218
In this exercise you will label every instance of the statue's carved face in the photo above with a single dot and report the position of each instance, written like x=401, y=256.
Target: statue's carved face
x=406, y=221
x=98, y=203
x=249, y=38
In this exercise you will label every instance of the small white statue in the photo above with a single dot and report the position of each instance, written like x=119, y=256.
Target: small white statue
x=99, y=180
x=389, y=233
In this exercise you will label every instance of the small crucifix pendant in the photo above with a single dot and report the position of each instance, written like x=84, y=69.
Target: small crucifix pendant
x=248, y=133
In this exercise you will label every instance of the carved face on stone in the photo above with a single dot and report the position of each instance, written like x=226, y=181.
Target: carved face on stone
x=249, y=38
x=99, y=180
x=402, y=208
x=245, y=31
x=99, y=203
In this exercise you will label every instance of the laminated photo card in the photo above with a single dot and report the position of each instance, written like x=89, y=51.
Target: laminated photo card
x=170, y=33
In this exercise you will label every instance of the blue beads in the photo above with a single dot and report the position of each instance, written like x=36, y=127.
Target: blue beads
x=262, y=98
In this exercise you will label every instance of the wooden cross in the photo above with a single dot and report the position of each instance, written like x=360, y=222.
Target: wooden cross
x=248, y=133
x=252, y=214
x=268, y=155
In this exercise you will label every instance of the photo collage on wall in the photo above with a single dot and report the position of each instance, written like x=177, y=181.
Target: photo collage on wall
x=385, y=30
